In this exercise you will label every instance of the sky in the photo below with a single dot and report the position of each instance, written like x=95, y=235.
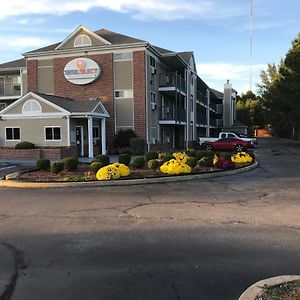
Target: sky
x=217, y=31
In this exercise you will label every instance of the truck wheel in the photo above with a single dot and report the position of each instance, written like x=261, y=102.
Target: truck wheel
x=208, y=147
x=239, y=148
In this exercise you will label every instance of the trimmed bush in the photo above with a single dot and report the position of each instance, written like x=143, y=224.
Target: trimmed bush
x=153, y=164
x=206, y=161
x=125, y=159
x=200, y=154
x=190, y=152
x=137, y=145
x=24, y=145
x=192, y=162
x=103, y=158
x=126, y=150
x=151, y=155
x=122, y=138
x=43, y=164
x=167, y=157
x=70, y=163
x=138, y=162
x=95, y=166
x=56, y=167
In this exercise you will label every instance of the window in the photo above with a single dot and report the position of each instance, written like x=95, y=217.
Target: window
x=96, y=133
x=12, y=134
x=152, y=62
x=152, y=97
x=82, y=41
x=124, y=94
x=31, y=106
x=123, y=56
x=52, y=133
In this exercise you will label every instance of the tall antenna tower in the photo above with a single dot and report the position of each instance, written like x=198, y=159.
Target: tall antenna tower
x=250, y=44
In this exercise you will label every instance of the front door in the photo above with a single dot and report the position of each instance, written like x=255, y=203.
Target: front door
x=79, y=140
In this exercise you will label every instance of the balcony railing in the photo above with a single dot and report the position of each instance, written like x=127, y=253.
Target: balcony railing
x=10, y=90
x=213, y=105
x=219, y=122
x=172, y=80
x=219, y=108
x=201, y=119
x=213, y=122
x=172, y=113
x=201, y=98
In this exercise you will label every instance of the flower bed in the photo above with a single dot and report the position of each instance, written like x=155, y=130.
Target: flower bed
x=174, y=164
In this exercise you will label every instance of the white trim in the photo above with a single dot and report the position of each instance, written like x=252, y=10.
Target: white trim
x=53, y=140
x=68, y=132
x=81, y=27
x=103, y=136
x=105, y=114
x=6, y=140
x=36, y=97
x=80, y=52
x=81, y=137
x=29, y=116
x=90, y=137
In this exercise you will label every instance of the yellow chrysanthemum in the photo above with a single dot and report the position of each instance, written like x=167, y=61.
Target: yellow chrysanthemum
x=112, y=171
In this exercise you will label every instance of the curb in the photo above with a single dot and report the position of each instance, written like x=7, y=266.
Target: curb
x=256, y=289
x=124, y=182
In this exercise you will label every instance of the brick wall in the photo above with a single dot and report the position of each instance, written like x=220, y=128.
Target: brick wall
x=35, y=154
x=32, y=75
x=139, y=90
x=103, y=87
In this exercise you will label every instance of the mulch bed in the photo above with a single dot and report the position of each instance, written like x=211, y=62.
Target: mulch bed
x=83, y=173
x=284, y=291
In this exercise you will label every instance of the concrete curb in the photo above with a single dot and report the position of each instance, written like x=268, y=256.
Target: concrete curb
x=125, y=182
x=256, y=289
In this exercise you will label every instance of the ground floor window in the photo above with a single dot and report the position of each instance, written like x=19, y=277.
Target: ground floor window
x=52, y=133
x=96, y=135
x=12, y=134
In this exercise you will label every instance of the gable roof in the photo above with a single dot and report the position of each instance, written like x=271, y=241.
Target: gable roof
x=73, y=106
x=65, y=105
x=111, y=37
x=186, y=56
x=217, y=93
x=14, y=64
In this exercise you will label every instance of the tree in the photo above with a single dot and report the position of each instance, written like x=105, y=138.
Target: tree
x=280, y=93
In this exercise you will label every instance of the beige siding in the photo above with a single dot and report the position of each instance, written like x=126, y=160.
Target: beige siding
x=123, y=75
x=45, y=108
x=34, y=131
x=45, y=76
x=24, y=83
x=124, y=113
x=70, y=43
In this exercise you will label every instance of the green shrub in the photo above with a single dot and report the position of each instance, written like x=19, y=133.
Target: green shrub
x=200, y=154
x=167, y=157
x=122, y=138
x=96, y=166
x=138, y=146
x=126, y=150
x=153, y=164
x=56, y=167
x=138, y=162
x=125, y=159
x=192, y=162
x=206, y=161
x=24, y=145
x=70, y=163
x=151, y=155
x=190, y=152
x=103, y=158
x=43, y=164
x=75, y=178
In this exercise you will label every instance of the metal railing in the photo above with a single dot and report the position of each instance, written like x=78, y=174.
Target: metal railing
x=201, y=98
x=8, y=90
x=213, y=105
x=172, y=79
x=172, y=113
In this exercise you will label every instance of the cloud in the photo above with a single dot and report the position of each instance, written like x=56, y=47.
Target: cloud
x=216, y=74
x=26, y=42
x=144, y=10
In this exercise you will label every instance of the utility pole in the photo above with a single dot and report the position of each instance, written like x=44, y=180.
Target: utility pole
x=250, y=44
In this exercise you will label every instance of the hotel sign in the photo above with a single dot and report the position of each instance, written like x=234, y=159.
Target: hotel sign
x=82, y=71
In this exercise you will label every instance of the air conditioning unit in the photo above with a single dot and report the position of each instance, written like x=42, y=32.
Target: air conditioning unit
x=153, y=70
x=153, y=140
x=153, y=106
